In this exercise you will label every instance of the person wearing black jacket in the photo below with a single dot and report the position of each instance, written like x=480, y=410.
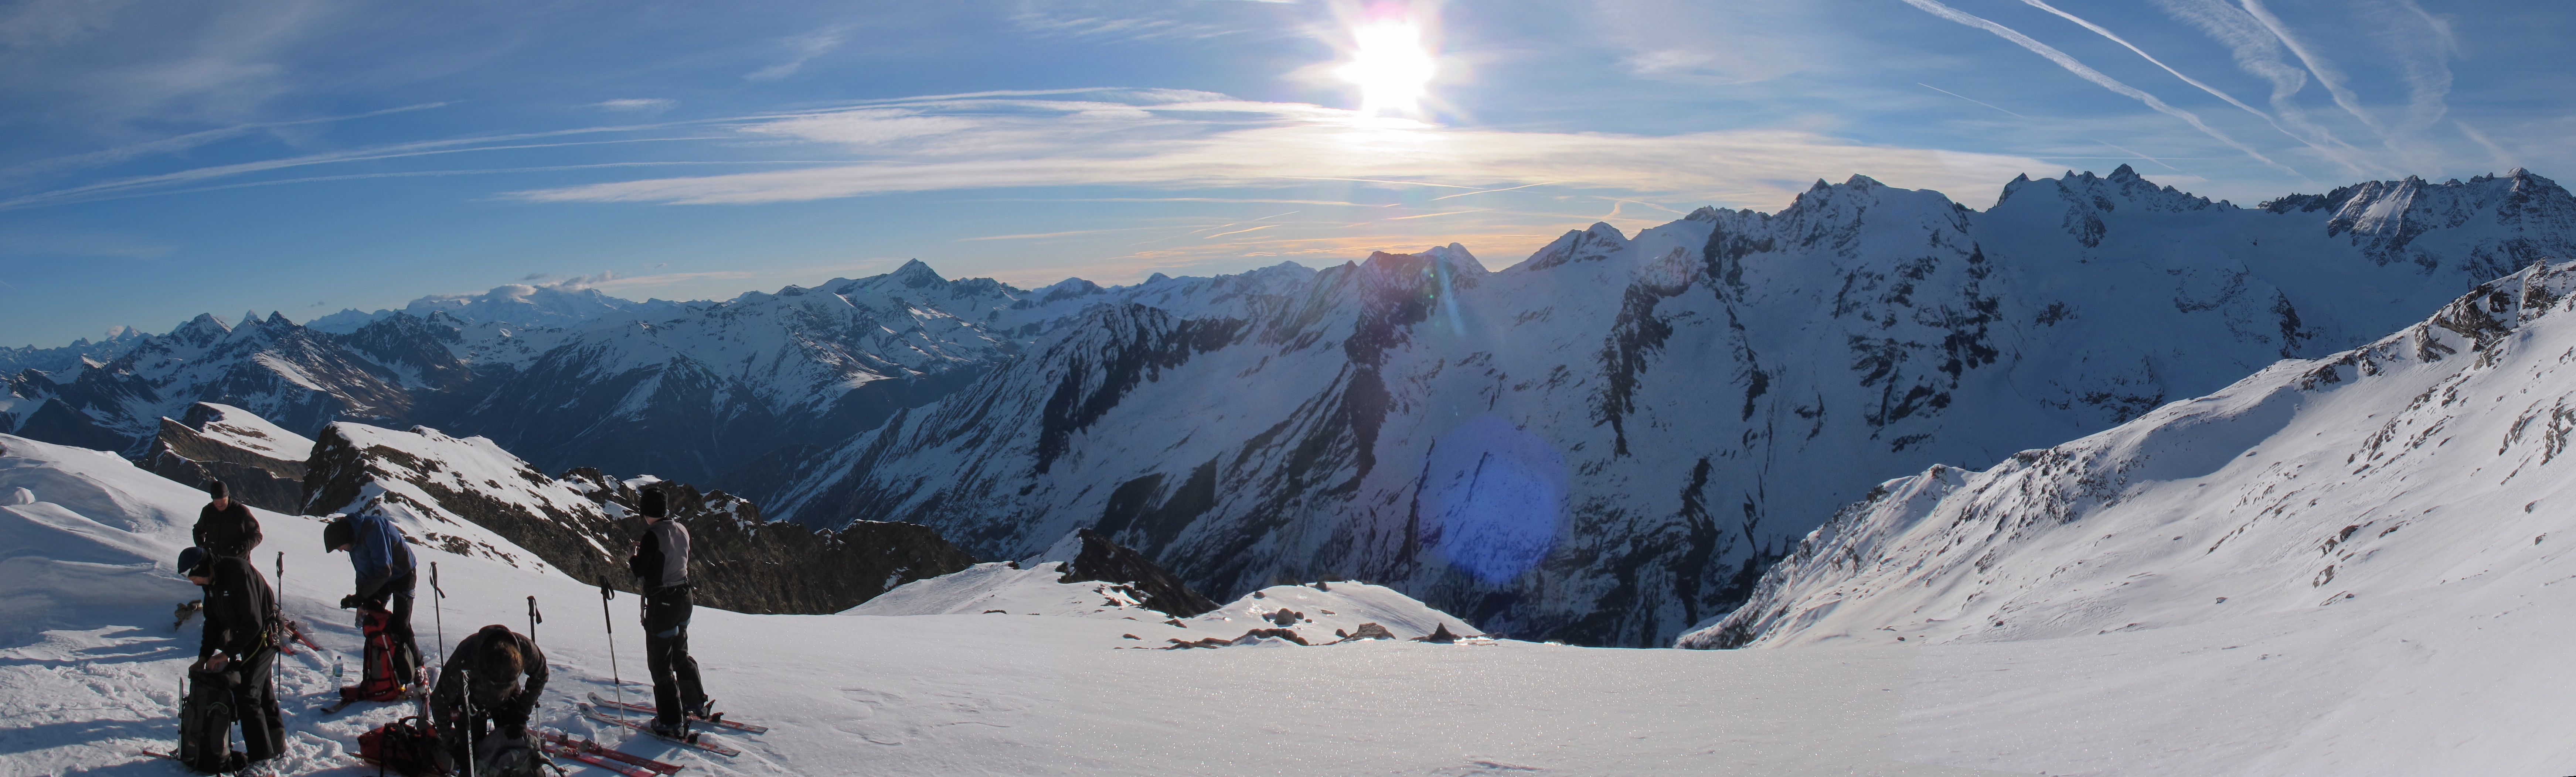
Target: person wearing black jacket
x=225, y=527
x=661, y=564
x=486, y=692
x=240, y=649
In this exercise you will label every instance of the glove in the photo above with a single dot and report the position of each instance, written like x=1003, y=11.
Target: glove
x=351, y=602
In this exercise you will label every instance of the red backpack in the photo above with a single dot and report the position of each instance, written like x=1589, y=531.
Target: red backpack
x=384, y=667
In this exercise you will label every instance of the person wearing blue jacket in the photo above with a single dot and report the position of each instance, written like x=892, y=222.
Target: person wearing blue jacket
x=386, y=575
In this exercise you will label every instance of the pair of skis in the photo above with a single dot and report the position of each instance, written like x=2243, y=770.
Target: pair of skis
x=719, y=720
x=595, y=754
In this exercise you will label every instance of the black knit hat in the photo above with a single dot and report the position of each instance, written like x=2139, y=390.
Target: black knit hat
x=651, y=505
x=216, y=489
x=337, y=533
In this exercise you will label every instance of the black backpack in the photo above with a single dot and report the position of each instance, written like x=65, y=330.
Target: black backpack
x=206, y=725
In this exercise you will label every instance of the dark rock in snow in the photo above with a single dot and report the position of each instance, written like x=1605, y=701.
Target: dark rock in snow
x=1370, y=631
x=1110, y=562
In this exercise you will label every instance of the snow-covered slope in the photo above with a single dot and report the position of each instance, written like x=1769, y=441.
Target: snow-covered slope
x=2421, y=459
x=1609, y=441
x=89, y=673
x=1323, y=613
x=2392, y=517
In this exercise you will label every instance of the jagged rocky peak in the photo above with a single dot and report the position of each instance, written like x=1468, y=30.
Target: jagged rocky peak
x=2124, y=187
x=1087, y=555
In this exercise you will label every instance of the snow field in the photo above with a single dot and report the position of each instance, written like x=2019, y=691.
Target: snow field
x=89, y=671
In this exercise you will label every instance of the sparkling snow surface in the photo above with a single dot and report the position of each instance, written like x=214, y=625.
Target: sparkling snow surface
x=89, y=674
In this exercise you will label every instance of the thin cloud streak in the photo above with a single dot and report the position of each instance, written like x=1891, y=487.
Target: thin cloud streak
x=1240, y=143
x=2087, y=73
x=2212, y=90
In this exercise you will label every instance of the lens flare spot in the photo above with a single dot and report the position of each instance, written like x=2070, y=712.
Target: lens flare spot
x=1493, y=499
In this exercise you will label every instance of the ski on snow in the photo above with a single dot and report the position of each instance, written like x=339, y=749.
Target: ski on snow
x=586, y=750
x=693, y=740
x=648, y=709
x=619, y=767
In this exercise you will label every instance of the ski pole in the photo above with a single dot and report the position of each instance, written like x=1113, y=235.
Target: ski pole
x=534, y=618
x=466, y=727
x=605, y=594
x=285, y=644
x=435, y=600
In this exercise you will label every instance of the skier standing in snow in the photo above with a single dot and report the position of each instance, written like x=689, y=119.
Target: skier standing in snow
x=486, y=691
x=386, y=576
x=236, y=663
x=661, y=564
x=224, y=527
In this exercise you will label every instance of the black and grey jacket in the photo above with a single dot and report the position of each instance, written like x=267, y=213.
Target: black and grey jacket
x=661, y=560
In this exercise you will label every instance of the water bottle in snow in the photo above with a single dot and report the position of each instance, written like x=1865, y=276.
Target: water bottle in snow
x=337, y=670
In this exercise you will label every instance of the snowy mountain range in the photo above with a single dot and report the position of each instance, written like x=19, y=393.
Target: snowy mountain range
x=1612, y=439
x=1607, y=442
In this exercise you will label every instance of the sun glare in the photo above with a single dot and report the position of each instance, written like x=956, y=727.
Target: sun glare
x=1390, y=67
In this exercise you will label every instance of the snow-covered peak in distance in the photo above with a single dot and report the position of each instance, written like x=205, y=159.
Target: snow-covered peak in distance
x=551, y=306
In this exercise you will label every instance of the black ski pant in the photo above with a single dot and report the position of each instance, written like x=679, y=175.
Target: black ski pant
x=254, y=697
x=399, y=626
x=666, y=655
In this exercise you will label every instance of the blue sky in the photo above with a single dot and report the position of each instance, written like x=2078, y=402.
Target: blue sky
x=302, y=156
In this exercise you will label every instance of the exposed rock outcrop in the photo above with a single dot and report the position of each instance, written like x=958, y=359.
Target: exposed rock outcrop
x=1099, y=559
x=744, y=563
x=261, y=464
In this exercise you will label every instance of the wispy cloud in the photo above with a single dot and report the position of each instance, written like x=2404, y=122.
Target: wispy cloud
x=2213, y=91
x=800, y=50
x=638, y=104
x=180, y=143
x=2089, y=74
x=956, y=144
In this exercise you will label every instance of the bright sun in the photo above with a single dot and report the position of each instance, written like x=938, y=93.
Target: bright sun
x=1390, y=67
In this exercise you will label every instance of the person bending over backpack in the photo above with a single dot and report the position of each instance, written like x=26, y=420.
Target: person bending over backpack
x=485, y=694
x=232, y=679
x=661, y=563
x=387, y=574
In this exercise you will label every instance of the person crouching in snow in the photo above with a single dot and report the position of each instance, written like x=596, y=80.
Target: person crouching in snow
x=661, y=563
x=486, y=691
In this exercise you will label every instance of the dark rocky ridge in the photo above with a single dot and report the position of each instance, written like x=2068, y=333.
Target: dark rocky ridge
x=182, y=453
x=741, y=562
